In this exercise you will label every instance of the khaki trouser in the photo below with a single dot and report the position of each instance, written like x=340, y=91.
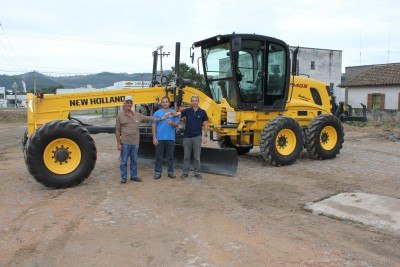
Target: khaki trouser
x=189, y=144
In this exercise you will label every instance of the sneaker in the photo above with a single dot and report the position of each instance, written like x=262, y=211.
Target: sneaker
x=157, y=176
x=137, y=179
x=123, y=181
x=198, y=176
x=184, y=176
x=172, y=176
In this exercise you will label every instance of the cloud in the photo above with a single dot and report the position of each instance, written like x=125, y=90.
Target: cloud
x=119, y=36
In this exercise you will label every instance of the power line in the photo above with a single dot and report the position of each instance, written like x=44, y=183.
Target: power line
x=16, y=60
x=77, y=39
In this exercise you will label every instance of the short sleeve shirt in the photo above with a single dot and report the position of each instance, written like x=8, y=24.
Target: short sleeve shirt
x=194, y=121
x=165, y=132
x=127, y=127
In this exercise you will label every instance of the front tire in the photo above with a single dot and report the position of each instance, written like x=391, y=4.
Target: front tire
x=281, y=141
x=61, y=154
x=24, y=142
x=324, y=137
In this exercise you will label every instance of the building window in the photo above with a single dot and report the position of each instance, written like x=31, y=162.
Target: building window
x=313, y=65
x=376, y=101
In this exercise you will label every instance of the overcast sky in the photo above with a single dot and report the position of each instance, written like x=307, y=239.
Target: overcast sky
x=80, y=37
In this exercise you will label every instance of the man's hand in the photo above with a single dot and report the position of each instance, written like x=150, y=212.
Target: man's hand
x=169, y=121
x=119, y=147
x=155, y=141
x=204, y=139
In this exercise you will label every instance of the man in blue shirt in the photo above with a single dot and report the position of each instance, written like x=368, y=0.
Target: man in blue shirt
x=196, y=118
x=164, y=137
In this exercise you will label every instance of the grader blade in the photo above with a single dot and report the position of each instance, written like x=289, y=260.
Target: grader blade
x=222, y=161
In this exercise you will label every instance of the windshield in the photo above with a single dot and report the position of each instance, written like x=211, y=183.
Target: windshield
x=218, y=70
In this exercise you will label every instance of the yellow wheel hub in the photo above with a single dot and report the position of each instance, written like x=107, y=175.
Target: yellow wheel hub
x=328, y=137
x=285, y=142
x=62, y=156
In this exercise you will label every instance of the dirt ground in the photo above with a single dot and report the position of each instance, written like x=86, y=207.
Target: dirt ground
x=255, y=218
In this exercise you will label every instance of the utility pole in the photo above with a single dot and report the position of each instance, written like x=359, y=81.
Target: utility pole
x=15, y=87
x=161, y=54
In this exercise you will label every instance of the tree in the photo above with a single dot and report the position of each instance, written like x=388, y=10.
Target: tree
x=49, y=90
x=186, y=72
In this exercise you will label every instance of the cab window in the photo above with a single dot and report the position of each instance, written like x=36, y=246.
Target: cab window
x=249, y=71
x=276, y=74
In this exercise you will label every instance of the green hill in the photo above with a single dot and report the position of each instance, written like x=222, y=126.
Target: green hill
x=99, y=80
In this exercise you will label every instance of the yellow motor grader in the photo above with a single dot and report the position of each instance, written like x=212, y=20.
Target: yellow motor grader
x=250, y=96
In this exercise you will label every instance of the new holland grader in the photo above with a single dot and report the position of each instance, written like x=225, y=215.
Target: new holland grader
x=250, y=96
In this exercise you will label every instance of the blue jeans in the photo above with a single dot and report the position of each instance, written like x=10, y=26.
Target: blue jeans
x=129, y=151
x=168, y=146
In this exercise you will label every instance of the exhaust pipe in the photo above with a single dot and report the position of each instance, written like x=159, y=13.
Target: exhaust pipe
x=154, y=73
x=177, y=60
x=294, y=62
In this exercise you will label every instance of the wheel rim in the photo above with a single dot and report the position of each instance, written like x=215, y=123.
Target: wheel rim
x=62, y=156
x=328, y=138
x=285, y=142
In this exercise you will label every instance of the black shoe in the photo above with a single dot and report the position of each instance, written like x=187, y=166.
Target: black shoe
x=123, y=181
x=172, y=176
x=157, y=176
x=137, y=179
x=198, y=176
x=184, y=176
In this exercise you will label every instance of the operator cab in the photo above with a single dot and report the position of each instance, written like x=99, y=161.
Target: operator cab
x=250, y=71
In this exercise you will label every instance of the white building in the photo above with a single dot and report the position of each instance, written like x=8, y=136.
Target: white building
x=378, y=86
x=3, y=101
x=131, y=84
x=10, y=101
x=322, y=64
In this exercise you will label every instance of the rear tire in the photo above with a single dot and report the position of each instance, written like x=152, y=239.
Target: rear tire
x=61, y=154
x=281, y=141
x=324, y=137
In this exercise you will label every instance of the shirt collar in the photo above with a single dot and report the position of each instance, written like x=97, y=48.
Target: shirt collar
x=126, y=114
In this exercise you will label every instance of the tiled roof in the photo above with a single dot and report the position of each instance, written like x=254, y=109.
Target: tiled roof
x=378, y=75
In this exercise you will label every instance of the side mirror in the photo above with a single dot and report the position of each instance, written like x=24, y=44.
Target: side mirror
x=236, y=44
x=191, y=54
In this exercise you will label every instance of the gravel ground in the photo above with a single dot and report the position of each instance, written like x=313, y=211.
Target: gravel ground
x=255, y=218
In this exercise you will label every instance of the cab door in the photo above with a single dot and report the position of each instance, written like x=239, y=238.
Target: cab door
x=276, y=76
x=262, y=75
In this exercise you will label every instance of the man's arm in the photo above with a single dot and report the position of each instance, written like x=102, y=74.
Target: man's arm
x=179, y=113
x=150, y=118
x=118, y=133
x=205, y=135
x=173, y=123
x=154, y=132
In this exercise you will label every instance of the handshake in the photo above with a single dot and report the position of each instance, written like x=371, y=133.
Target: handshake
x=166, y=116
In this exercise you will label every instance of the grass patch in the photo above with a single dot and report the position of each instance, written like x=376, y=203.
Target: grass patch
x=357, y=123
x=12, y=115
